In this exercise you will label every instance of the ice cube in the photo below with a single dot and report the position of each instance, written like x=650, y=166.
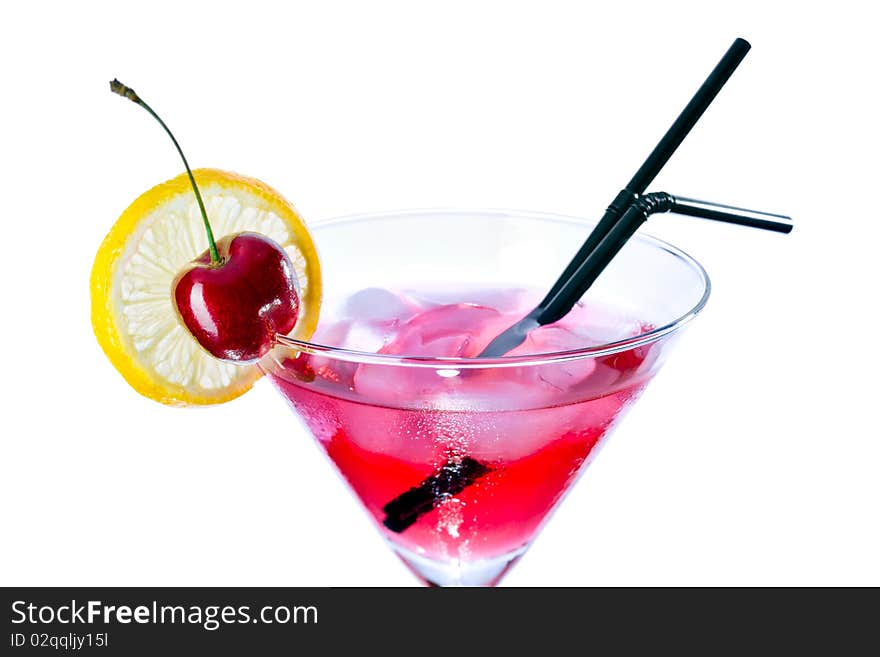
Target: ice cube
x=332, y=335
x=370, y=317
x=597, y=324
x=504, y=300
x=514, y=434
x=456, y=330
x=376, y=303
x=369, y=335
x=550, y=339
x=404, y=435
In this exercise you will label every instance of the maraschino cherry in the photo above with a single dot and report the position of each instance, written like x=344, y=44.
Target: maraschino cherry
x=239, y=294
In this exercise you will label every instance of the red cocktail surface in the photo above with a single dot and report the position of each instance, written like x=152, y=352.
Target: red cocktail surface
x=462, y=464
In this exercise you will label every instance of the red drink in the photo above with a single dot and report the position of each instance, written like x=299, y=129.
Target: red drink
x=461, y=465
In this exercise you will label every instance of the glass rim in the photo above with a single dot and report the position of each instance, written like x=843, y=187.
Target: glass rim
x=456, y=363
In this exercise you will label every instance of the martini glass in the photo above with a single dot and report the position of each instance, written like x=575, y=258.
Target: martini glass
x=461, y=460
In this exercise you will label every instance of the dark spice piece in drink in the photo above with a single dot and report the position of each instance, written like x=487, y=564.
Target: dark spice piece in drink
x=447, y=482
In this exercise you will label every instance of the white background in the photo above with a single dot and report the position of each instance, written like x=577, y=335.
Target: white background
x=751, y=460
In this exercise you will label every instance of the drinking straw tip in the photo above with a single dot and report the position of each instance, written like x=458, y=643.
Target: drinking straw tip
x=743, y=43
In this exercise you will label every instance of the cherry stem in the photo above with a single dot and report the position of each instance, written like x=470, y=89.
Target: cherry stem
x=127, y=92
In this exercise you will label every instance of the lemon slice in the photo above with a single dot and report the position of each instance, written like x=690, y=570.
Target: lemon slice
x=133, y=314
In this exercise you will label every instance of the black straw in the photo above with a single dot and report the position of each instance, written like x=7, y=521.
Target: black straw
x=659, y=156
x=558, y=303
x=689, y=116
x=690, y=207
x=553, y=306
x=594, y=264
